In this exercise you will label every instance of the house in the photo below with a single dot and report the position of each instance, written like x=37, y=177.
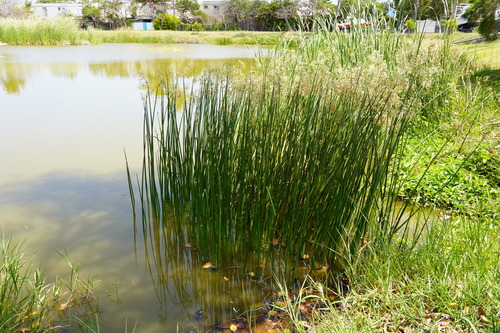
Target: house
x=55, y=10
x=214, y=9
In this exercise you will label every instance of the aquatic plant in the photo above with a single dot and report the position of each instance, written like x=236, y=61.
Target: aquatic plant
x=29, y=303
x=303, y=156
x=241, y=171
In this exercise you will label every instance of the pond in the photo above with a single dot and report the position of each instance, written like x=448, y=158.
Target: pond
x=66, y=116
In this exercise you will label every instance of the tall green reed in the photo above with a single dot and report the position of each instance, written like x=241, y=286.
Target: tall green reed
x=304, y=153
x=44, y=32
x=240, y=170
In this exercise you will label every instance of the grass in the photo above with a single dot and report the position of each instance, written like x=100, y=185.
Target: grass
x=188, y=37
x=449, y=283
x=29, y=303
x=66, y=31
x=61, y=31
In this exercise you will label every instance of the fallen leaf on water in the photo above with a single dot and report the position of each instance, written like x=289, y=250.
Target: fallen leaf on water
x=208, y=265
x=188, y=246
x=233, y=328
x=63, y=306
x=225, y=278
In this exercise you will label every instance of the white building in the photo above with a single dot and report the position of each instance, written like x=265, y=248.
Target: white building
x=55, y=10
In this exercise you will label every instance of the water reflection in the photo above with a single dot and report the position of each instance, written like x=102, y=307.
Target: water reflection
x=204, y=294
x=66, y=114
x=19, y=65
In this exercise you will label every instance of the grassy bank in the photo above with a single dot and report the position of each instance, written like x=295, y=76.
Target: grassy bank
x=202, y=37
x=449, y=283
x=28, y=303
x=66, y=31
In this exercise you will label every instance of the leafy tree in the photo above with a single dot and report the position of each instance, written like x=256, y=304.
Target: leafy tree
x=190, y=11
x=432, y=10
x=237, y=11
x=166, y=21
x=115, y=12
x=275, y=14
x=91, y=13
x=154, y=6
x=483, y=11
x=425, y=9
x=187, y=6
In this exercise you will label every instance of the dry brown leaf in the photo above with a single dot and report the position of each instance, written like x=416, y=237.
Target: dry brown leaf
x=484, y=319
x=63, y=306
x=481, y=311
x=208, y=265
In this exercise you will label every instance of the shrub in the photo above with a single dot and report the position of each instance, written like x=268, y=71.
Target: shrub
x=166, y=21
x=488, y=27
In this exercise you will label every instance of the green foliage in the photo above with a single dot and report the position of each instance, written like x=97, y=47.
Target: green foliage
x=273, y=15
x=410, y=24
x=91, y=14
x=488, y=27
x=465, y=181
x=219, y=26
x=449, y=280
x=427, y=9
x=195, y=26
x=186, y=6
x=483, y=11
x=450, y=25
x=29, y=303
x=166, y=21
x=237, y=11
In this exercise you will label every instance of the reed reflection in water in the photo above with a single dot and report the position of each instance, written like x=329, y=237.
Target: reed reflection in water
x=205, y=295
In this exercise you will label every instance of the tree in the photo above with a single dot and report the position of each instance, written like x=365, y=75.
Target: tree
x=275, y=14
x=166, y=21
x=483, y=11
x=91, y=13
x=190, y=11
x=425, y=9
x=237, y=11
x=187, y=6
x=115, y=12
x=14, y=9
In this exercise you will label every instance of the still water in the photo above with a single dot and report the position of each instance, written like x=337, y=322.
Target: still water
x=66, y=116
